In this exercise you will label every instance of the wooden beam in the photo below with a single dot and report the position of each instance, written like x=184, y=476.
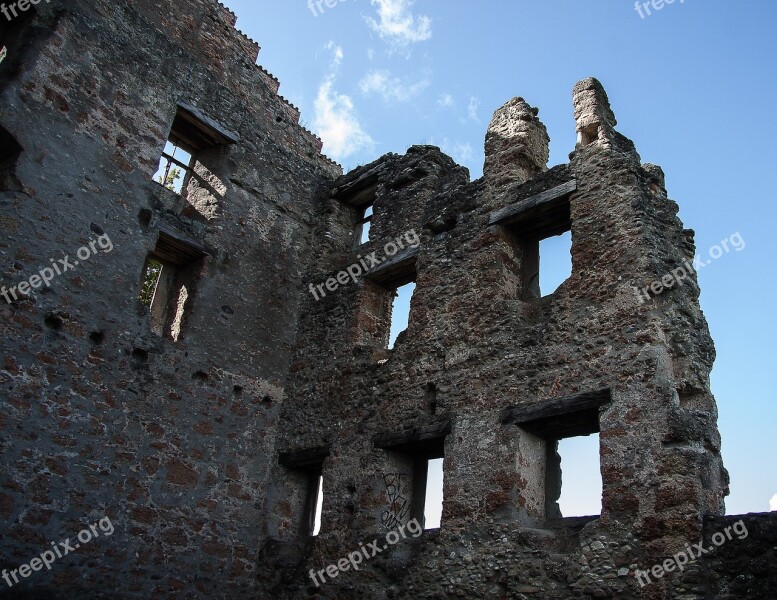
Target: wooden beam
x=396, y=271
x=361, y=190
x=308, y=459
x=217, y=133
x=561, y=417
x=528, y=207
x=176, y=247
x=427, y=440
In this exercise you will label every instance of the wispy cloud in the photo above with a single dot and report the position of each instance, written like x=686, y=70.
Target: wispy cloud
x=773, y=503
x=398, y=25
x=461, y=152
x=446, y=101
x=472, y=109
x=335, y=116
x=391, y=88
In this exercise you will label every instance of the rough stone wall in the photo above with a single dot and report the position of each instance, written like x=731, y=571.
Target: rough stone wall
x=172, y=440
x=480, y=342
x=189, y=446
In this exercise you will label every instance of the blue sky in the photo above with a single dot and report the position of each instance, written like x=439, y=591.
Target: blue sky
x=693, y=84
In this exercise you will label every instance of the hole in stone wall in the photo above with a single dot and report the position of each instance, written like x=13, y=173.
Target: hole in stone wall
x=144, y=217
x=434, y=494
x=363, y=225
x=555, y=262
x=589, y=134
x=10, y=151
x=138, y=359
x=319, y=506
x=175, y=166
x=413, y=475
x=200, y=376
x=581, y=479
x=190, y=160
x=400, y=312
x=53, y=321
x=237, y=390
x=167, y=284
x=97, y=337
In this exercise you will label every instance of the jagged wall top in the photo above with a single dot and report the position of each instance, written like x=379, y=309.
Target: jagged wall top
x=206, y=30
x=517, y=144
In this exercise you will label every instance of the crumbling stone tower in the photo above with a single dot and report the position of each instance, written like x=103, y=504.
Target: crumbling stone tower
x=195, y=378
x=490, y=374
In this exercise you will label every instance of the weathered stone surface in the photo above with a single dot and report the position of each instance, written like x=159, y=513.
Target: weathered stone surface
x=517, y=144
x=202, y=444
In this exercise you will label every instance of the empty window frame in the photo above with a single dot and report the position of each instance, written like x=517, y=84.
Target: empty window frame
x=551, y=422
x=363, y=225
x=385, y=306
x=175, y=164
x=413, y=476
x=581, y=489
x=555, y=262
x=168, y=282
x=434, y=493
x=191, y=152
x=316, y=501
x=400, y=311
x=534, y=222
x=358, y=198
x=307, y=491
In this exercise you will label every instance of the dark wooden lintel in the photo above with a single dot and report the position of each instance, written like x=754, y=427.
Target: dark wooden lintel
x=560, y=417
x=176, y=247
x=428, y=440
x=361, y=191
x=208, y=127
x=308, y=459
x=551, y=205
x=397, y=270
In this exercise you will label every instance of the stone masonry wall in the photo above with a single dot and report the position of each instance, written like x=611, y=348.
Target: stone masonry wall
x=172, y=440
x=201, y=445
x=479, y=342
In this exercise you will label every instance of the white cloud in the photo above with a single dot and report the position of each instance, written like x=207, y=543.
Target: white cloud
x=390, y=87
x=773, y=503
x=472, y=109
x=446, y=101
x=337, y=52
x=335, y=116
x=461, y=152
x=397, y=24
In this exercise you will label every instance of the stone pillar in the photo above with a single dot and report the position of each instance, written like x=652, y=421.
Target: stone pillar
x=593, y=115
x=517, y=144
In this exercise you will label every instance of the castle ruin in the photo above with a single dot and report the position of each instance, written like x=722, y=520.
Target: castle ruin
x=195, y=375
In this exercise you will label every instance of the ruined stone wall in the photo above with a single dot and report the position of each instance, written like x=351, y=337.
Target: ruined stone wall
x=201, y=449
x=172, y=440
x=483, y=342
